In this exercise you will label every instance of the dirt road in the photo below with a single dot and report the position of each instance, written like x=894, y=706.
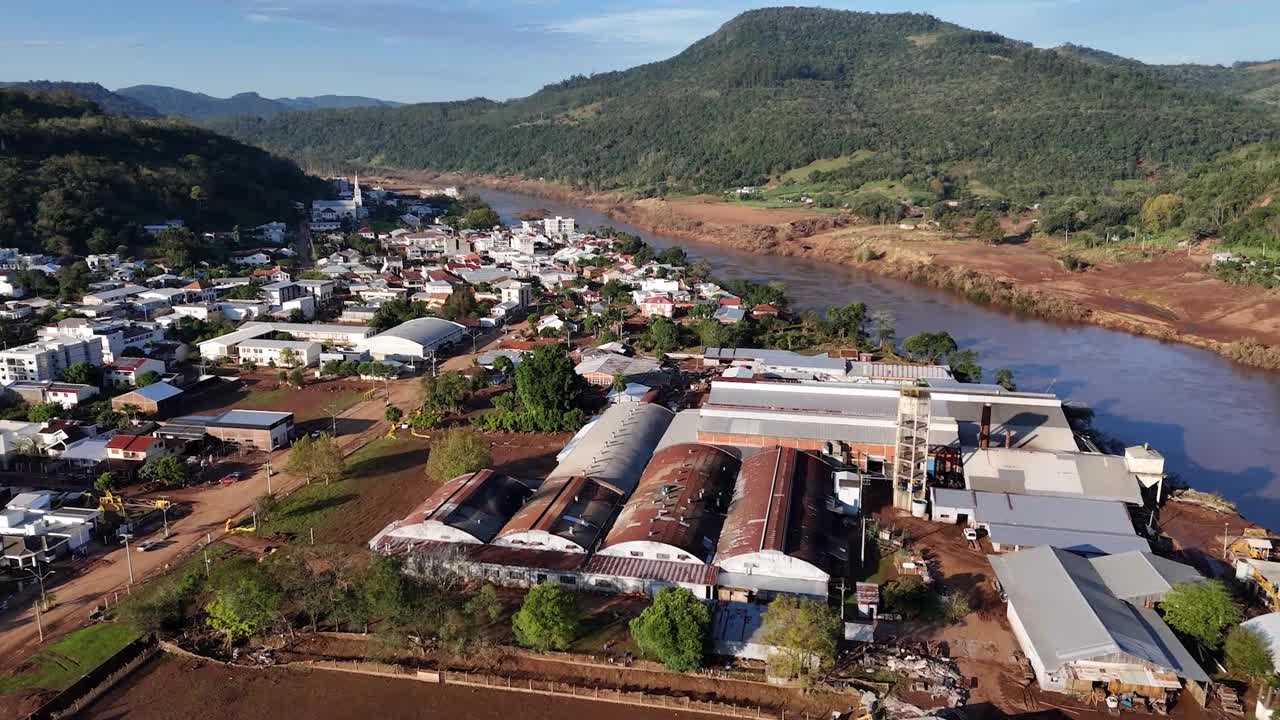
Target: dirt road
x=103, y=576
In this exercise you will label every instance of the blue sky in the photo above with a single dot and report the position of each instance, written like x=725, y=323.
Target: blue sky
x=417, y=50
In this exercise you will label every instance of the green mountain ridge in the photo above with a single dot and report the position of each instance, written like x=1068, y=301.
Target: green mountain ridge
x=74, y=179
x=910, y=95
x=1254, y=80
x=199, y=106
x=110, y=103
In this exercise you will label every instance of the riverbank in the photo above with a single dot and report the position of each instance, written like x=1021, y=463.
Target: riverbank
x=1167, y=295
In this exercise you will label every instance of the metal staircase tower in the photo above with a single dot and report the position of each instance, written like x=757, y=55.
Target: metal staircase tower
x=911, y=455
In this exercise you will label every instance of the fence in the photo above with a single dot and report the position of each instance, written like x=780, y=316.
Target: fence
x=97, y=681
x=644, y=699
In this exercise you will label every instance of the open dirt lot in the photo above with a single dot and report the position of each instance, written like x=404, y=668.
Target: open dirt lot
x=717, y=211
x=1170, y=290
x=170, y=688
x=309, y=404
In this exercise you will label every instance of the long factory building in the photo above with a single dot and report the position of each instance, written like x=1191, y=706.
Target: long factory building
x=740, y=498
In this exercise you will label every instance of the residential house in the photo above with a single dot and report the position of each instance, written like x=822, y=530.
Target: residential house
x=126, y=370
x=657, y=305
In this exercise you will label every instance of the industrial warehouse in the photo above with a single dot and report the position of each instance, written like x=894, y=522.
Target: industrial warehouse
x=749, y=495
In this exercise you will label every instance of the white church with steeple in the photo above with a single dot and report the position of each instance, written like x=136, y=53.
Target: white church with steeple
x=331, y=214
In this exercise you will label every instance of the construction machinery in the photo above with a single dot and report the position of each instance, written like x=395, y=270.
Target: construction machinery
x=1256, y=543
x=110, y=502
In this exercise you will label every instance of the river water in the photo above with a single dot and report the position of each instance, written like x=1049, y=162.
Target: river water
x=1215, y=422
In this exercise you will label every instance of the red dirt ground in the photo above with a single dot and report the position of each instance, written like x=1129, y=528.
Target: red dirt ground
x=171, y=688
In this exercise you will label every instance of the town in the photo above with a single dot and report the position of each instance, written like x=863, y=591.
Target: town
x=557, y=437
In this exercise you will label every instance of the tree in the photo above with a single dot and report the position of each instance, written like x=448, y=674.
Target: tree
x=1248, y=654
x=886, y=331
x=1004, y=378
x=483, y=218
x=82, y=373
x=548, y=619
x=297, y=377
x=384, y=587
x=316, y=459
x=242, y=611
x=673, y=629
x=44, y=412
x=484, y=604
x=73, y=280
x=964, y=366
x=663, y=335
x=1201, y=611
x=150, y=377
x=987, y=228
x=619, y=384
x=849, y=322
x=248, y=291
x=168, y=471
x=931, y=346
x=198, y=194
x=504, y=365
x=105, y=482
x=393, y=414
x=107, y=418
x=173, y=246
x=803, y=633
x=1161, y=212
x=288, y=357
x=446, y=392
x=457, y=452
x=549, y=390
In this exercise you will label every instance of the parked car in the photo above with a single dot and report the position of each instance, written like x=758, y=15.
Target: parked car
x=229, y=478
x=148, y=546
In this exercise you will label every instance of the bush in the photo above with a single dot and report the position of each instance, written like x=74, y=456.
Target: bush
x=804, y=635
x=548, y=619
x=909, y=596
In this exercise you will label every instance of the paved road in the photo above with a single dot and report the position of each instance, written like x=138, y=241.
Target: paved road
x=104, y=575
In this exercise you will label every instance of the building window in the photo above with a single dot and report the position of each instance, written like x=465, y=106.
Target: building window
x=569, y=579
x=635, y=553
x=664, y=556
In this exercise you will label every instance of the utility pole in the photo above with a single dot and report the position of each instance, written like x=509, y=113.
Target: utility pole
x=39, y=576
x=39, y=623
x=128, y=556
x=268, y=473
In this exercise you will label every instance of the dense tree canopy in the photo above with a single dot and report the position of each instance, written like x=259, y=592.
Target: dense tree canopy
x=673, y=629
x=71, y=176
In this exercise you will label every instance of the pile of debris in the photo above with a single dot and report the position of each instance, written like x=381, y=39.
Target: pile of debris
x=921, y=671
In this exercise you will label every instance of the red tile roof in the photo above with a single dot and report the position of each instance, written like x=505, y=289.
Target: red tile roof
x=131, y=443
x=127, y=364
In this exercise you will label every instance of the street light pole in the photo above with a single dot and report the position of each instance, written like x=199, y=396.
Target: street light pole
x=128, y=555
x=35, y=573
x=269, y=473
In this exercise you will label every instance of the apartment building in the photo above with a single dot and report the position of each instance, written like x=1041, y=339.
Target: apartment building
x=47, y=358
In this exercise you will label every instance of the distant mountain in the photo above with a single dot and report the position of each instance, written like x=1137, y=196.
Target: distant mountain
x=111, y=103
x=1258, y=81
x=73, y=180
x=335, y=102
x=907, y=98
x=198, y=106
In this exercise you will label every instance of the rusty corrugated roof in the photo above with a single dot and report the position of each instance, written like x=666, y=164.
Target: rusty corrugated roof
x=679, y=500
x=779, y=504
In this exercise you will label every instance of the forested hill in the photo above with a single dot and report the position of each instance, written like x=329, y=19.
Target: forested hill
x=73, y=179
x=198, y=106
x=1257, y=81
x=897, y=95
x=108, y=101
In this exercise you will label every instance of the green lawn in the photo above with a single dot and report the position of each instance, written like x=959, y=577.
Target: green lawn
x=58, y=665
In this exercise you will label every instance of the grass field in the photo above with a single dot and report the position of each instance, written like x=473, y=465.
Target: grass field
x=286, y=398
x=383, y=480
x=62, y=663
x=801, y=174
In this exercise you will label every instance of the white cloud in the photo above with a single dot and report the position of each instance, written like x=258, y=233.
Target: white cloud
x=659, y=26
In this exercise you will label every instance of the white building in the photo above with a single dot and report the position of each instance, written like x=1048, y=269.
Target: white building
x=274, y=352
x=321, y=290
x=414, y=340
x=47, y=358
x=558, y=226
